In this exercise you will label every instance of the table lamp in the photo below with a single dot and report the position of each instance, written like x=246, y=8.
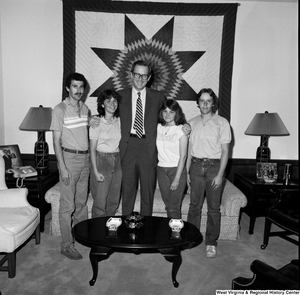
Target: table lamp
x=39, y=119
x=266, y=125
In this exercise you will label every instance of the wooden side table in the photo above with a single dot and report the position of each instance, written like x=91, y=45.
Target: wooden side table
x=260, y=195
x=37, y=187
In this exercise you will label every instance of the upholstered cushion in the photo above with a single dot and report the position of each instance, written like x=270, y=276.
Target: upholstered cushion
x=232, y=201
x=159, y=206
x=17, y=219
x=14, y=197
x=13, y=235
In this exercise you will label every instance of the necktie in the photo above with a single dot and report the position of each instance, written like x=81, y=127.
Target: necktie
x=139, y=121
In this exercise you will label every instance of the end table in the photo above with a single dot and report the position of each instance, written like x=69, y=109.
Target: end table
x=260, y=194
x=37, y=187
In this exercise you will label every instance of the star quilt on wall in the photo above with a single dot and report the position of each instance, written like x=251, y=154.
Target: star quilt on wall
x=185, y=49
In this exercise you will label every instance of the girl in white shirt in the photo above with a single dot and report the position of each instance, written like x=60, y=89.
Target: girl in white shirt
x=172, y=153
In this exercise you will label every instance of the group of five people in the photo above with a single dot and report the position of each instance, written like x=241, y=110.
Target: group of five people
x=137, y=139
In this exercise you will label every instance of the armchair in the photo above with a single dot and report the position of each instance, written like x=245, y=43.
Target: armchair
x=285, y=214
x=18, y=222
x=265, y=277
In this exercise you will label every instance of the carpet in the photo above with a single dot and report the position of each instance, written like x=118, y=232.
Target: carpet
x=41, y=269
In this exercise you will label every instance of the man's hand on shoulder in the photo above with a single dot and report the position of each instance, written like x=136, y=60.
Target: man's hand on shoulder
x=94, y=121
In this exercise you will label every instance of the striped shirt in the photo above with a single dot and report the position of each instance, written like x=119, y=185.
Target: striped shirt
x=73, y=125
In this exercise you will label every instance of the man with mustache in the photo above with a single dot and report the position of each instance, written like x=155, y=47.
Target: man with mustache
x=70, y=139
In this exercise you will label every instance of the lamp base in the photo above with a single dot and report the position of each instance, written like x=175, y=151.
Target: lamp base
x=41, y=153
x=42, y=172
x=263, y=154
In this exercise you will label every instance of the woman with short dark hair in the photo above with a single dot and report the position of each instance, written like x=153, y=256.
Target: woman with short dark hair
x=106, y=173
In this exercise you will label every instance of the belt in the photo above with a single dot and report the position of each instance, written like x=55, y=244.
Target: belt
x=107, y=154
x=74, y=151
x=204, y=159
x=134, y=135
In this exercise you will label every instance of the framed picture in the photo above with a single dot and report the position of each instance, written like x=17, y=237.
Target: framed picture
x=267, y=172
x=11, y=155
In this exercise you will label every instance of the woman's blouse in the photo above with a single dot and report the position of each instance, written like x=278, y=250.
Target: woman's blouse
x=108, y=135
x=167, y=143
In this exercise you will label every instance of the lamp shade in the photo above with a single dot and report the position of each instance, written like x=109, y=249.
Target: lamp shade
x=267, y=124
x=37, y=119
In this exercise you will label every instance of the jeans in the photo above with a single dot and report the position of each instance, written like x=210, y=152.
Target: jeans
x=72, y=208
x=172, y=199
x=106, y=194
x=202, y=172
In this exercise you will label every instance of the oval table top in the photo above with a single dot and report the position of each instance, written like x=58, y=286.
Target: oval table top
x=154, y=234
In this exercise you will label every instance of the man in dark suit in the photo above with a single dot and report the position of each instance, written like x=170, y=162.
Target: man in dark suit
x=138, y=143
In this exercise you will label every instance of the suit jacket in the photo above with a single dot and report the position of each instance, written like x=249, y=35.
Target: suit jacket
x=154, y=101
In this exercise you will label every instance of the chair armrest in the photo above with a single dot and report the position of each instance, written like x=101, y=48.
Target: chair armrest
x=287, y=198
x=53, y=194
x=272, y=277
x=14, y=197
x=232, y=199
x=265, y=277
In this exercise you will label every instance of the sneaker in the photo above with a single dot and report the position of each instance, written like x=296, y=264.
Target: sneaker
x=211, y=251
x=71, y=252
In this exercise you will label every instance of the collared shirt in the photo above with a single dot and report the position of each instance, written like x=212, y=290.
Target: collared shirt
x=134, y=96
x=72, y=123
x=206, y=140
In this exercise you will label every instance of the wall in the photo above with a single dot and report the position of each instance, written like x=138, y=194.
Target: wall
x=265, y=73
x=32, y=64
x=1, y=90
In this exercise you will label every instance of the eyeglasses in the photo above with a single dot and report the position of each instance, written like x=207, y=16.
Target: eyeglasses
x=139, y=76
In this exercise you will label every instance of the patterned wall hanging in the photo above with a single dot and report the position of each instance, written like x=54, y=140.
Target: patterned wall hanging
x=190, y=46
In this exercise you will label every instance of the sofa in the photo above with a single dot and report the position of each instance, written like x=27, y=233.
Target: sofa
x=232, y=202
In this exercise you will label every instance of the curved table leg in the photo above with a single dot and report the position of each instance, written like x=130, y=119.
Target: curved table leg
x=97, y=254
x=173, y=255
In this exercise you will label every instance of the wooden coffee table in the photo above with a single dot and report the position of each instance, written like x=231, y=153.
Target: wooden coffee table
x=155, y=236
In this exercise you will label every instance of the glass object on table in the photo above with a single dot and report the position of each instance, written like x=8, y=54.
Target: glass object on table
x=287, y=173
x=267, y=172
